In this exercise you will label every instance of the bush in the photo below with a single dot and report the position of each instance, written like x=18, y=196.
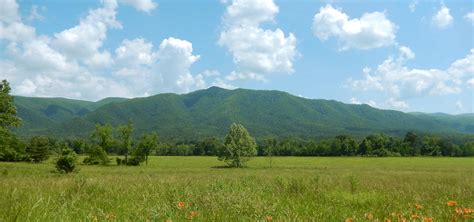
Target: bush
x=97, y=155
x=66, y=161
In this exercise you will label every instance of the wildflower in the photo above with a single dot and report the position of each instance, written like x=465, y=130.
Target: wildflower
x=458, y=210
x=268, y=218
x=468, y=210
x=181, y=204
x=387, y=220
x=192, y=215
x=428, y=219
x=369, y=216
x=418, y=206
x=349, y=219
x=415, y=216
x=452, y=203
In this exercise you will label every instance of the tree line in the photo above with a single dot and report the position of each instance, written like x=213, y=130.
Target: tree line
x=235, y=149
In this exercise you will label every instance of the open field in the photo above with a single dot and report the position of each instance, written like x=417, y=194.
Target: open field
x=295, y=188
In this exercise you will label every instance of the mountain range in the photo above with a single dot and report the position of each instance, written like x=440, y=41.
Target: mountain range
x=209, y=112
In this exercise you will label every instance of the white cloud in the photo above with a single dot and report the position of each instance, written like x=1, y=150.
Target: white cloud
x=9, y=11
x=257, y=52
x=442, y=19
x=73, y=63
x=85, y=39
x=175, y=57
x=135, y=52
x=354, y=100
x=372, y=30
x=397, y=81
x=16, y=32
x=470, y=17
x=35, y=14
x=413, y=5
x=470, y=83
x=223, y=84
x=142, y=5
x=396, y=104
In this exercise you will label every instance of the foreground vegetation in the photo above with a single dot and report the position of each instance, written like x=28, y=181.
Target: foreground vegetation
x=198, y=188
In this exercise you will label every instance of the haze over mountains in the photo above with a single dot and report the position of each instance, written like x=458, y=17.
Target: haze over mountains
x=209, y=112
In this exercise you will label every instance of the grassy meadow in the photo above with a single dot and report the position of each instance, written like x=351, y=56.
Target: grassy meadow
x=198, y=188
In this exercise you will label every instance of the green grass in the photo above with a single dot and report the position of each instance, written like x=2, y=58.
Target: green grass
x=295, y=189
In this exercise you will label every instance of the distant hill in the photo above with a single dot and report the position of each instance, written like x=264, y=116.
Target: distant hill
x=209, y=112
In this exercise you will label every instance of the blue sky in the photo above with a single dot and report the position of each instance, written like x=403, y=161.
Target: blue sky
x=404, y=55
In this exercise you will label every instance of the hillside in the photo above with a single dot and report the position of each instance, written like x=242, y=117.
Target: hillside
x=209, y=112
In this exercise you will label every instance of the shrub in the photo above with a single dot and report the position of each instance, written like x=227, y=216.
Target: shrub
x=66, y=161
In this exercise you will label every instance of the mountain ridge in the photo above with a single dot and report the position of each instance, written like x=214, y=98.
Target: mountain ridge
x=208, y=112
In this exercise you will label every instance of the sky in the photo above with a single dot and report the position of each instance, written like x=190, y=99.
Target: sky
x=408, y=55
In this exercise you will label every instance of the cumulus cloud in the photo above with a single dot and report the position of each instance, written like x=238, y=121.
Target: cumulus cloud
x=85, y=39
x=256, y=51
x=442, y=19
x=470, y=17
x=175, y=57
x=354, y=100
x=142, y=5
x=372, y=30
x=73, y=63
x=400, y=82
x=9, y=11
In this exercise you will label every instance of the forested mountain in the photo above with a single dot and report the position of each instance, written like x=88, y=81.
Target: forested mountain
x=209, y=112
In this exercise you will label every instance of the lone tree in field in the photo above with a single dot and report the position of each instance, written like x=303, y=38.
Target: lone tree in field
x=239, y=146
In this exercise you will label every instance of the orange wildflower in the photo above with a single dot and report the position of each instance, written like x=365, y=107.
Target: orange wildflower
x=428, y=219
x=349, y=220
x=418, y=206
x=369, y=216
x=415, y=216
x=181, y=204
x=387, y=220
x=452, y=203
x=268, y=218
x=468, y=210
x=458, y=210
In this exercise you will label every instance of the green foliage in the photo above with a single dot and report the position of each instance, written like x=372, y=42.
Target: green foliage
x=239, y=146
x=146, y=145
x=125, y=137
x=269, y=149
x=66, y=160
x=8, y=111
x=39, y=149
x=204, y=113
x=103, y=136
x=96, y=155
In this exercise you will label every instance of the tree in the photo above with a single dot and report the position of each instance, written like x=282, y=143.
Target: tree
x=38, y=149
x=66, y=160
x=146, y=145
x=10, y=147
x=103, y=136
x=97, y=155
x=269, y=149
x=8, y=113
x=239, y=146
x=125, y=135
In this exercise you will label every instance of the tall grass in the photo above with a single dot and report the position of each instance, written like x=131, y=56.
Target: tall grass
x=294, y=189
